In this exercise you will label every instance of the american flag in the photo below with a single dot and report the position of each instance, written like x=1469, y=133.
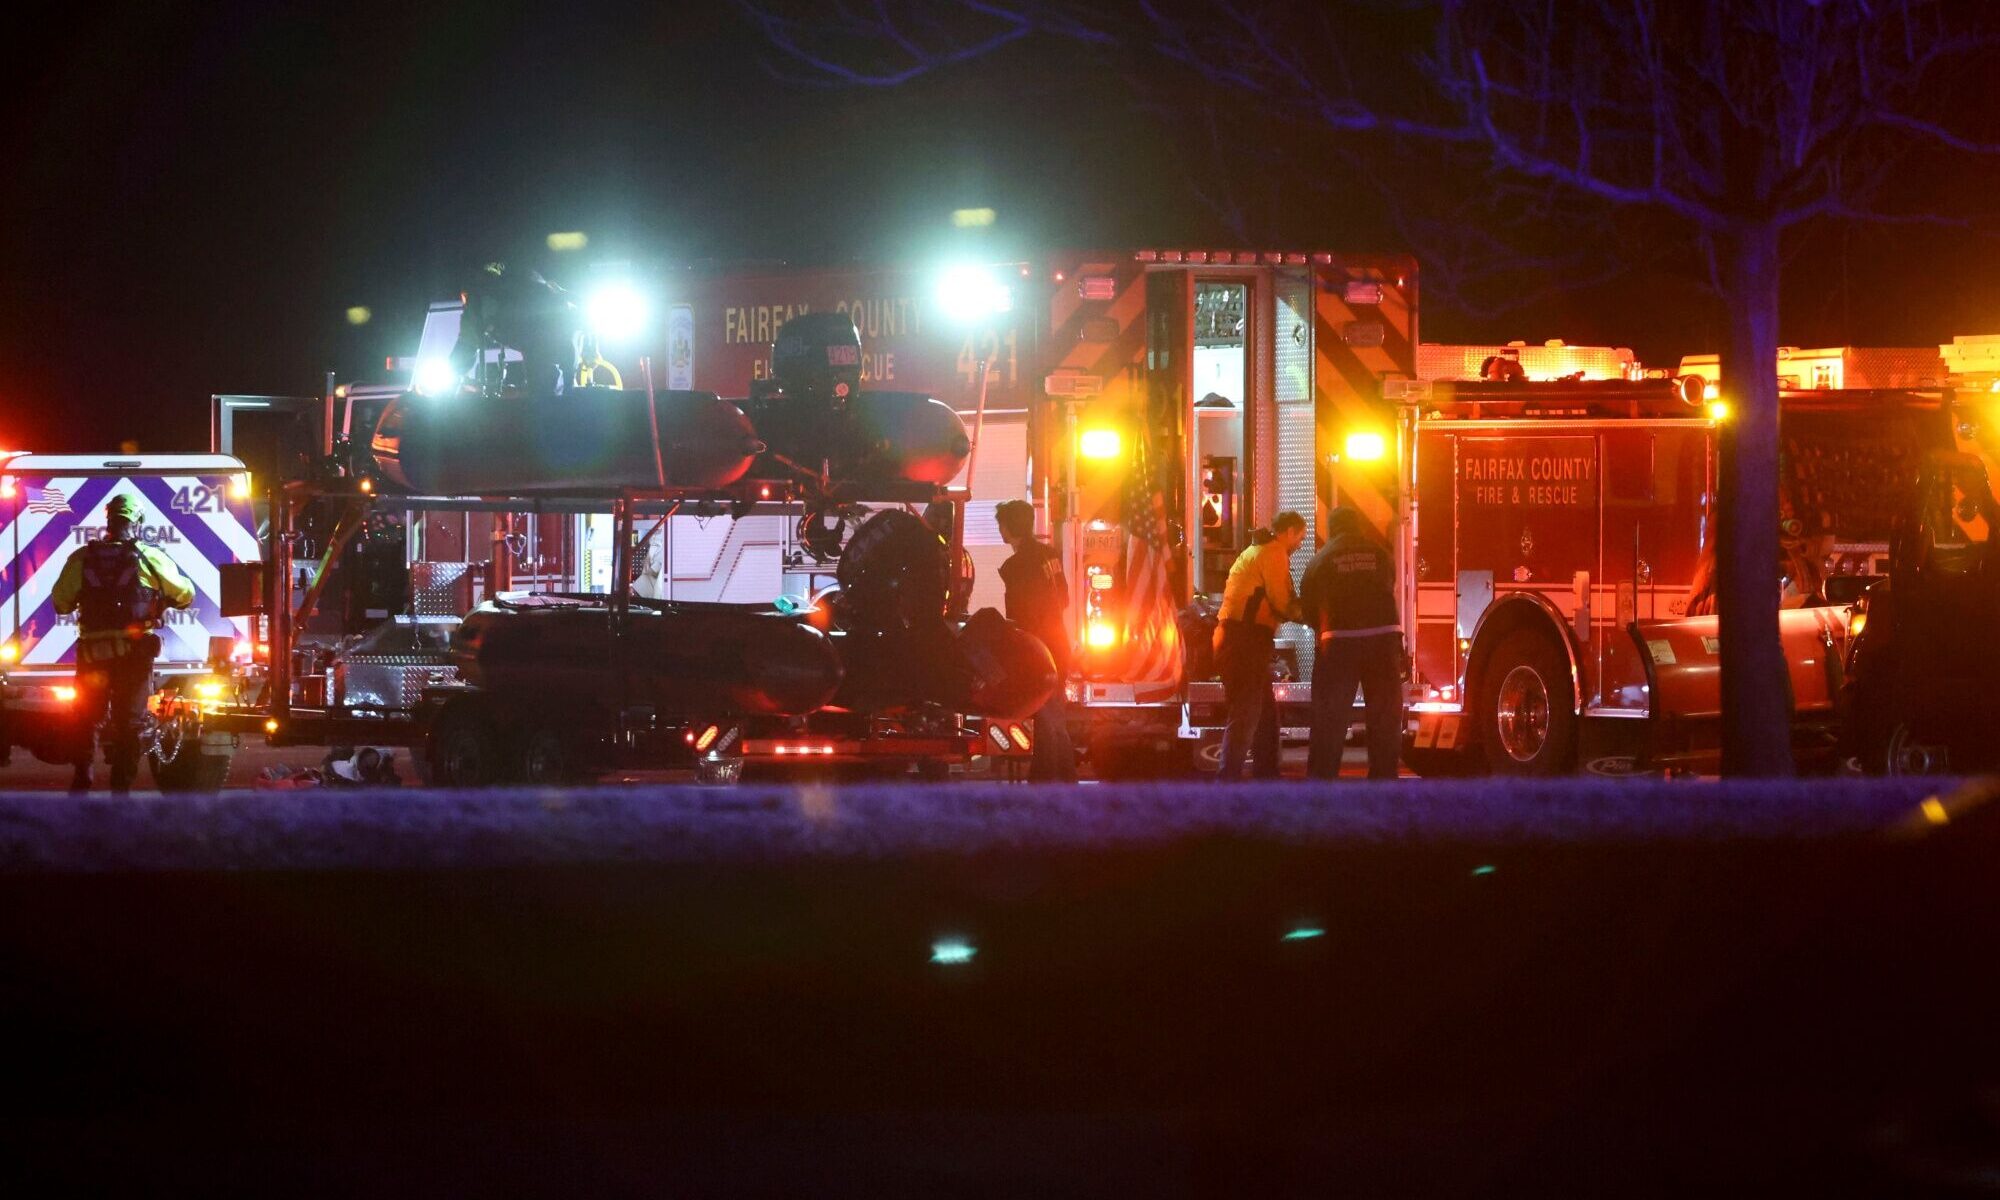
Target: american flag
x=47, y=500
x=1152, y=545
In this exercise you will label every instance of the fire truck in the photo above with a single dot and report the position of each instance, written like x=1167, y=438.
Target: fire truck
x=1155, y=405
x=1559, y=521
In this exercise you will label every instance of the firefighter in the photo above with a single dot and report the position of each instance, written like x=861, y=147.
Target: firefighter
x=1037, y=595
x=1348, y=596
x=119, y=590
x=512, y=306
x=1256, y=597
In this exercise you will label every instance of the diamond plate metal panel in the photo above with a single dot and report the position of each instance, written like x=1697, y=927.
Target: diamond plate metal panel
x=440, y=590
x=392, y=681
x=1296, y=432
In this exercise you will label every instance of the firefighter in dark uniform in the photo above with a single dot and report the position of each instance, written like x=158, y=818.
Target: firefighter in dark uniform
x=1349, y=599
x=119, y=591
x=1257, y=595
x=512, y=306
x=1037, y=596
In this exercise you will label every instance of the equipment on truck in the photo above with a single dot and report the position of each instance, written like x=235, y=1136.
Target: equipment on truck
x=561, y=679
x=584, y=440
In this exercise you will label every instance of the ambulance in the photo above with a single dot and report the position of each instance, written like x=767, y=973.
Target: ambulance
x=194, y=507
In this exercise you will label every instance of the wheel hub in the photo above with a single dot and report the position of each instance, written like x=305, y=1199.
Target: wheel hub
x=1522, y=713
x=1907, y=756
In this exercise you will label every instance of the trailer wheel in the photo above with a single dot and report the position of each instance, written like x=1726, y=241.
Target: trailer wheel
x=543, y=759
x=177, y=762
x=1527, y=716
x=464, y=752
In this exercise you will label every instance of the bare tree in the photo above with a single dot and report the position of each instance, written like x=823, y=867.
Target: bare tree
x=1739, y=119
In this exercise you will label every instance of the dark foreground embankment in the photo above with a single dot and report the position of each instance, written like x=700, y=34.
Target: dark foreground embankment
x=1419, y=989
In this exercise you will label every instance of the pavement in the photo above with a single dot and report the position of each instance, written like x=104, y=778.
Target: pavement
x=1456, y=988
x=402, y=829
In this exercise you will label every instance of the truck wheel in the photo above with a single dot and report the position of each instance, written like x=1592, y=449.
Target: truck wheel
x=1206, y=757
x=1527, y=718
x=177, y=762
x=464, y=752
x=543, y=759
x=1900, y=753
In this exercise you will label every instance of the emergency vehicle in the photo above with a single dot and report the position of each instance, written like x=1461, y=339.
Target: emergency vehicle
x=196, y=508
x=1155, y=405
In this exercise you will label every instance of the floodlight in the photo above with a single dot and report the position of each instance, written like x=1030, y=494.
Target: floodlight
x=617, y=312
x=435, y=377
x=970, y=293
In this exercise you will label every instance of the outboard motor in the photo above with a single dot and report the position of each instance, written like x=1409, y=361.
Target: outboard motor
x=898, y=649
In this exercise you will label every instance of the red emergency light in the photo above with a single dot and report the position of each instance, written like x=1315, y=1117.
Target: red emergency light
x=1097, y=287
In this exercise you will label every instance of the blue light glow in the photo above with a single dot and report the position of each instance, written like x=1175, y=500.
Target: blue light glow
x=1305, y=933
x=952, y=951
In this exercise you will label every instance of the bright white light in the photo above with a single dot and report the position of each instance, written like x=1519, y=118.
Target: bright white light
x=968, y=293
x=434, y=377
x=617, y=312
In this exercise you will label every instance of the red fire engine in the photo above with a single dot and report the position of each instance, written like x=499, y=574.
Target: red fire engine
x=1556, y=531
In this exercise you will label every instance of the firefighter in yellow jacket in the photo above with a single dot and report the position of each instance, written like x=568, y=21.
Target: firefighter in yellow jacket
x=1257, y=596
x=119, y=590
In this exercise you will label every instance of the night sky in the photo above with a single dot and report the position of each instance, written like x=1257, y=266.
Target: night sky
x=196, y=194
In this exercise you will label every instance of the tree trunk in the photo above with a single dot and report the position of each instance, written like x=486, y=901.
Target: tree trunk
x=1756, y=697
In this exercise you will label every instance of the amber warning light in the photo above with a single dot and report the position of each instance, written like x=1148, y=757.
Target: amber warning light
x=1100, y=443
x=1366, y=446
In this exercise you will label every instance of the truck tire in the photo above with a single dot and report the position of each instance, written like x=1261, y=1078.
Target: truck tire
x=1527, y=713
x=543, y=758
x=1899, y=751
x=463, y=752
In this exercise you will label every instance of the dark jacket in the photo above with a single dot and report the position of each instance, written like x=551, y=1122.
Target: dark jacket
x=1037, y=596
x=1350, y=587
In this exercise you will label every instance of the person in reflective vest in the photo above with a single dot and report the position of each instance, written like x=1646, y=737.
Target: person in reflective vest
x=1256, y=597
x=1349, y=598
x=119, y=589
